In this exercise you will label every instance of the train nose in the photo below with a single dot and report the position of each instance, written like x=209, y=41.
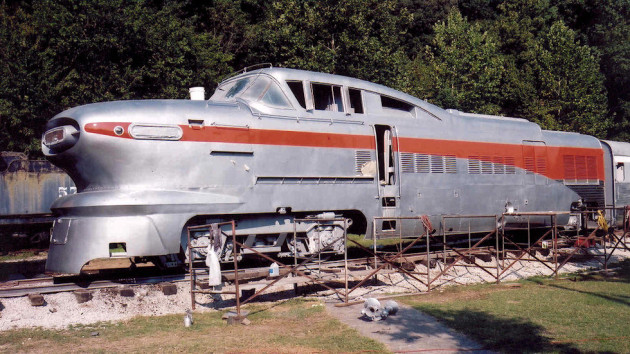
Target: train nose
x=60, y=137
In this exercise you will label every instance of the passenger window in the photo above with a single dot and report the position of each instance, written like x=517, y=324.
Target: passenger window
x=392, y=103
x=621, y=175
x=298, y=90
x=356, y=103
x=327, y=97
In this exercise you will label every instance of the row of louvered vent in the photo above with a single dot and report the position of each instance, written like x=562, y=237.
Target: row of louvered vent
x=491, y=165
x=422, y=163
x=575, y=167
x=361, y=157
x=580, y=168
x=536, y=164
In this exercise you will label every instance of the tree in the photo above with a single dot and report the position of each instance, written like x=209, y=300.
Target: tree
x=67, y=53
x=518, y=25
x=426, y=13
x=349, y=37
x=605, y=25
x=571, y=95
x=462, y=69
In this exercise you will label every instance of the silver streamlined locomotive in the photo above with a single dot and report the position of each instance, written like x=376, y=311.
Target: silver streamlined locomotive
x=273, y=145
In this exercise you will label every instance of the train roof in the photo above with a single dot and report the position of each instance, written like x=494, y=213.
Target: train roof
x=618, y=148
x=559, y=138
x=285, y=74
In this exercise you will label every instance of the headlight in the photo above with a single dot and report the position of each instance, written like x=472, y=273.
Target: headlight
x=61, y=138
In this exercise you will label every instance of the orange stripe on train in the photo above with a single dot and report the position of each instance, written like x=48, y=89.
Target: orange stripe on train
x=554, y=156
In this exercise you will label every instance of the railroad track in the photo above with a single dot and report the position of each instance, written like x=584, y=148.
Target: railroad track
x=49, y=285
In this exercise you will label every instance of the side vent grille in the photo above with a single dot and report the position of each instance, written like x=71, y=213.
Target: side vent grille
x=591, y=162
x=361, y=157
x=541, y=165
x=437, y=164
x=509, y=166
x=422, y=163
x=496, y=165
x=580, y=169
x=569, y=167
x=406, y=162
x=486, y=165
x=450, y=164
x=474, y=165
x=499, y=166
x=530, y=166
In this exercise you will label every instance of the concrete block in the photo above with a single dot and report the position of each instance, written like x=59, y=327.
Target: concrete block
x=408, y=266
x=126, y=291
x=484, y=257
x=168, y=288
x=36, y=299
x=83, y=295
x=432, y=263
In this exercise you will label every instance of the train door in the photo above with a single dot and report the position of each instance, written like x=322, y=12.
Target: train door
x=388, y=181
x=535, y=161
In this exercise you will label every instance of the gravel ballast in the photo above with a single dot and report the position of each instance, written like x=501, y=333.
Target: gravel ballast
x=62, y=309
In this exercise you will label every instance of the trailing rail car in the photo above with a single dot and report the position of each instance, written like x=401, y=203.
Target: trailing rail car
x=274, y=145
x=27, y=189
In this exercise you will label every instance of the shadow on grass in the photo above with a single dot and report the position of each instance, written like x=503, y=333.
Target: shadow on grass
x=490, y=332
x=621, y=275
x=623, y=300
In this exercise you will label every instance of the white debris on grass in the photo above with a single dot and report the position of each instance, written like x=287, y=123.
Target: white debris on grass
x=62, y=309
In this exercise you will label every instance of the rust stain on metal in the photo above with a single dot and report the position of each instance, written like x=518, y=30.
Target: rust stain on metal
x=30, y=187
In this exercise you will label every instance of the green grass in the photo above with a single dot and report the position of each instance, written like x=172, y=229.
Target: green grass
x=18, y=255
x=582, y=313
x=296, y=325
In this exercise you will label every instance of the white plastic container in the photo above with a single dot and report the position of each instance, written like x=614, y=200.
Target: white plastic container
x=197, y=93
x=274, y=270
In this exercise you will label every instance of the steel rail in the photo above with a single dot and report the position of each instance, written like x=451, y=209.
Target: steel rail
x=46, y=285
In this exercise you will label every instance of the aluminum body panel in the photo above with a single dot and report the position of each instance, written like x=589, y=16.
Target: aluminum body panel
x=620, y=171
x=244, y=160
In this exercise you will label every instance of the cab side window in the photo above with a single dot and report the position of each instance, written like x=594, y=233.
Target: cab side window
x=298, y=91
x=621, y=173
x=356, y=102
x=327, y=97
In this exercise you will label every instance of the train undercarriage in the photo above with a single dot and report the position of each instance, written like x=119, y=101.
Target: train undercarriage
x=281, y=236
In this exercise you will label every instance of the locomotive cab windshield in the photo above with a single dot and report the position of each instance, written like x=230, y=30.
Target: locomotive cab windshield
x=259, y=88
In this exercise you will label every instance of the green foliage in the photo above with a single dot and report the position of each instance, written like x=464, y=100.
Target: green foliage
x=426, y=13
x=571, y=94
x=63, y=54
x=564, y=63
x=605, y=24
x=462, y=69
x=359, y=38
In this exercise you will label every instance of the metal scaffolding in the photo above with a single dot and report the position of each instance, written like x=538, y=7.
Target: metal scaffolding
x=544, y=243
